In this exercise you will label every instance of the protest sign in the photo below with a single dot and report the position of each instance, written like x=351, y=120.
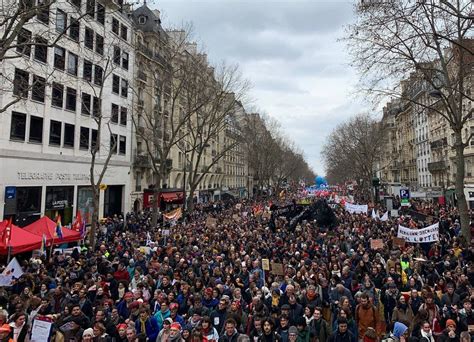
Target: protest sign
x=398, y=242
x=424, y=235
x=41, y=330
x=266, y=264
x=277, y=269
x=376, y=244
x=356, y=208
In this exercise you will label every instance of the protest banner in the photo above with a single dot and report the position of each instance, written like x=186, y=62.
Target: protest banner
x=356, y=208
x=424, y=235
x=277, y=269
x=376, y=244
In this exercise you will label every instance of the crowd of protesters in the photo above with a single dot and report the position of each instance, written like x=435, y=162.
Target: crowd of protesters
x=207, y=282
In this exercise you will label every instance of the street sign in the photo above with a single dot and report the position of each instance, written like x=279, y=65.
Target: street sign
x=405, y=197
x=10, y=192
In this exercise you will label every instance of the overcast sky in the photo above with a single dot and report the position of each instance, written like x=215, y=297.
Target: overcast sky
x=290, y=53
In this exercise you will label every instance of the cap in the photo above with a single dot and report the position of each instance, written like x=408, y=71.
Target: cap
x=175, y=326
x=285, y=307
x=293, y=330
x=450, y=323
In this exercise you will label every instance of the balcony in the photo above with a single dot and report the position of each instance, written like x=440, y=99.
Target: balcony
x=437, y=166
x=141, y=75
x=141, y=160
x=440, y=143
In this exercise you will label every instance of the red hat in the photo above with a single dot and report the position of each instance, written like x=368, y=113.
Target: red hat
x=209, y=291
x=121, y=326
x=450, y=323
x=174, y=306
x=175, y=326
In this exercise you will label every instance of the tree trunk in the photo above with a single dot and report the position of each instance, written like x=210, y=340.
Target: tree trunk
x=190, y=200
x=156, y=200
x=459, y=183
x=94, y=219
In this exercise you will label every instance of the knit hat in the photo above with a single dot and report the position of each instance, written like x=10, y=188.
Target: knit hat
x=168, y=320
x=450, y=322
x=175, y=326
x=88, y=332
x=293, y=330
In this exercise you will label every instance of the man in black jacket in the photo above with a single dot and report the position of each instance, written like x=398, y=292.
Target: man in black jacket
x=342, y=334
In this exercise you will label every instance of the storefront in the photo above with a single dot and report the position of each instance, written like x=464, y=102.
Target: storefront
x=60, y=201
x=22, y=204
x=167, y=198
x=113, y=200
x=85, y=202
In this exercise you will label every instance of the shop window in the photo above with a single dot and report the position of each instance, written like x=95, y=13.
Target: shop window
x=86, y=104
x=84, y=138
x=69, y=132
x=28, y=200
x=55, y=133
x=18, y=126
x=38, y=89
x=21, y=83
x=36, y=129
x=60, y=201
x=57, y=95
x=122, y=144
x=41, y=49
x=24, y=42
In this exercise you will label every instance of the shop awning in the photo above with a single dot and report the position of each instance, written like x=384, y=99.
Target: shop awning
x=21, y=240
x=47, y=227
x=172, y=196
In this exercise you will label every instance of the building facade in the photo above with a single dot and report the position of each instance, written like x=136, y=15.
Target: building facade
x=58, y=95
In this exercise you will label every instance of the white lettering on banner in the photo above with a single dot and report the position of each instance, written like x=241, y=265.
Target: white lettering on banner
x=57, y=176
x=356, y=208
x=424, y=235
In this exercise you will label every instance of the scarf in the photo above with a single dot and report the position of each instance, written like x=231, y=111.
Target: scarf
x=142, y=326
x=428, y=336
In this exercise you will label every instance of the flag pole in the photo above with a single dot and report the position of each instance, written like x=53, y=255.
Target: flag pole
x=9, y=251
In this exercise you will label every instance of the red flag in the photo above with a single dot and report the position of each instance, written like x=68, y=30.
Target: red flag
x=6, y=234
x=77, y=222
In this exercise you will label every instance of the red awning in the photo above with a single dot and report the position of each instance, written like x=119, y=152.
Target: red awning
x=21, y=240
x=47, y=227
x=171, y=196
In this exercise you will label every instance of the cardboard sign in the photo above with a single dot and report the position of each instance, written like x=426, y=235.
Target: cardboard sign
x=211, y=222
x=266, y=264
x=277, y=269
x=41, y=330
x=376, y=244
x=398, y=242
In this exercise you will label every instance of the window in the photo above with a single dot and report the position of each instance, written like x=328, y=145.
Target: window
x=41, y=49
x=76, y=3
x=113, y=143
x=124, y=88
x=57, y=95
x=117, y=55
x=100, y=14
x=61, y=21
x=21, y=83
x=59, y=57
x=115, y=113
x=96, y=107
x=98, y=75
x=71, y=95
x=122, y=144
x=38, y=89
x=72, y=62
x=94, y=142
x=115, y=84
x=36, y=129
x=18, y=126
x=89, y=38
x=123, y=116
x=24, y=42
x=55, y=133
x=125, y=60
x=68, y=135
x=74, y=29
x=43, y=12
x=115, y=26
x=84, y=138
x=142, y=19
x=123, y=31
x=86, y=104
x=90, y=7
x=99, y=44
x=87, y=72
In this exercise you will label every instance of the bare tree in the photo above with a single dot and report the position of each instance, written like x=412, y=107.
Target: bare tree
x=352, y=150
x=392, y=39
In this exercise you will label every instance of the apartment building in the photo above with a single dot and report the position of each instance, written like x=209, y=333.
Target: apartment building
x=58, y=94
